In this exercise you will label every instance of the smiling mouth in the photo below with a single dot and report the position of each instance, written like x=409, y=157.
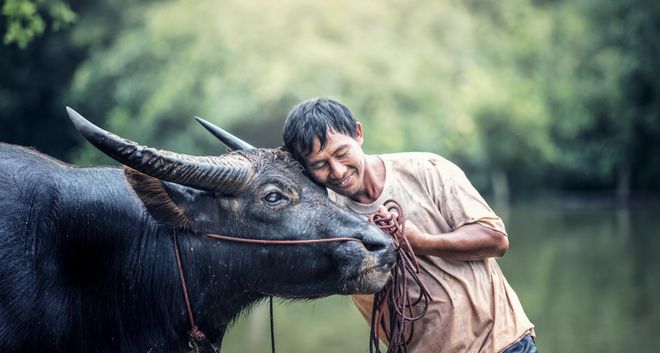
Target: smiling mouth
x=344, y=182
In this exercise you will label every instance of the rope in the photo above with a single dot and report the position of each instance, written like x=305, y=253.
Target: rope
x=272, y=325
x=278, y=242
x=198, y=341
x=393, y=302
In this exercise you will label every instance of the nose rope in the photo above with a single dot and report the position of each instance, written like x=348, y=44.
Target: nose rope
x=278, y=242
x=393, y=302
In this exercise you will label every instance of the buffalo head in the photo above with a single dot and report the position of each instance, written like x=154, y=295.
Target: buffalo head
x=259, y=194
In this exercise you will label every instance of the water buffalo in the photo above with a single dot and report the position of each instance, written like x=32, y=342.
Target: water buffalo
x=87, y=262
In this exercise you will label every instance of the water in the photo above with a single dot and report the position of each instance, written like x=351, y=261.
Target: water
x=588, y=277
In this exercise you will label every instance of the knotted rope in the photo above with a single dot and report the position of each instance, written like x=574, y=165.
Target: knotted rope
x=393, y=302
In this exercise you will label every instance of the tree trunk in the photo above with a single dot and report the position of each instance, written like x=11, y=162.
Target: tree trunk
x=500, y=183
x=623, y=186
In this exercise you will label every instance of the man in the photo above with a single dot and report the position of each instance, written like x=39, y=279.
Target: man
x=454, y=233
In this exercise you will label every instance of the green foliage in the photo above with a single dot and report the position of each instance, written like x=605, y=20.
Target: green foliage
x=604, y=90
x=556, y=94
x=26, y=19
x=239, y=63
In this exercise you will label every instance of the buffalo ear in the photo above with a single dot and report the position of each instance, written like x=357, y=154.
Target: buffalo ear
x=170, y=203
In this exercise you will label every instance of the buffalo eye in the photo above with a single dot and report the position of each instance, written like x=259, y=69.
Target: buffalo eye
x=274, y=198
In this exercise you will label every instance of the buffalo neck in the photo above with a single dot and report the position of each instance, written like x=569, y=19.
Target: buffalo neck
x=114, y=254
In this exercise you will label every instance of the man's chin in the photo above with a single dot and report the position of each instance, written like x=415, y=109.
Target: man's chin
x=347, y=192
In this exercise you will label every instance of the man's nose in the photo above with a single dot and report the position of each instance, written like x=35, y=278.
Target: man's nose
x=337, y=170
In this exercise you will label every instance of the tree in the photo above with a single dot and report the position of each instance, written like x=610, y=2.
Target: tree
x=38, y=68
x=541, y=94
x=26, y=20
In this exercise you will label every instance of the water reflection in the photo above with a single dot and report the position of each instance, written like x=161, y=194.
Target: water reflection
x=588, y=277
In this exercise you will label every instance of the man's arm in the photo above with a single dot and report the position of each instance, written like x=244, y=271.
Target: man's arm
x=468, y=242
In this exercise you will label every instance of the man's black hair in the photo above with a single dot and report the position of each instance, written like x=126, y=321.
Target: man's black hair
x=312, y=119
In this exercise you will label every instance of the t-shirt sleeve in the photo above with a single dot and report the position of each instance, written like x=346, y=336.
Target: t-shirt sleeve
x=458, y=201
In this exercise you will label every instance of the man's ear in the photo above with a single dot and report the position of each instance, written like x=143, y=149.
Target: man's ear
x=173, y=204
x=359, y=137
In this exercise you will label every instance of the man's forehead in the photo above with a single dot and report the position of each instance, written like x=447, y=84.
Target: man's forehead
x=333, y=140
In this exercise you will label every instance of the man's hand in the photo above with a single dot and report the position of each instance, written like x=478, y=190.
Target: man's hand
x=416, y=238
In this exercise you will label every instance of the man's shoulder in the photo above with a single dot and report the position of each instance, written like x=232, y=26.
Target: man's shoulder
x=408, y=161
x=408, y=158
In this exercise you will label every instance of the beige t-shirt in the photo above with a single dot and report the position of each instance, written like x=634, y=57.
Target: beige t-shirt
x=473, y=309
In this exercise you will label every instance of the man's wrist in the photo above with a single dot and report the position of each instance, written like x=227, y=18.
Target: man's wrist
x=423, y=242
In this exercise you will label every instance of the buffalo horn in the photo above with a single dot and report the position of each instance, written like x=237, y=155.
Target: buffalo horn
x=232, y=142
x=224, y=174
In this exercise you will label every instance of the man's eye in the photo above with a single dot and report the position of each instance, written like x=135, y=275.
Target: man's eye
x=343, y=152
x=318, y=166
x=274, y=198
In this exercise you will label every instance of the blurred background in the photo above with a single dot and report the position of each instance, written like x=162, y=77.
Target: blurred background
x=551, y=107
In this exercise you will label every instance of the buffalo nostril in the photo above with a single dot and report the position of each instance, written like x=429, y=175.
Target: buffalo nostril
x=375, y=246
x=377, y=243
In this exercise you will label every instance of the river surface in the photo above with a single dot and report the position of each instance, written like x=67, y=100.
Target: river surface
x=587, y=276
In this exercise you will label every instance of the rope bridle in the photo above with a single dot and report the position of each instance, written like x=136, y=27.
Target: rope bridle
x=393, y=299
x=198, y=340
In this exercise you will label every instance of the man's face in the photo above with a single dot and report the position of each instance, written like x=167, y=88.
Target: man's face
x=340, y=165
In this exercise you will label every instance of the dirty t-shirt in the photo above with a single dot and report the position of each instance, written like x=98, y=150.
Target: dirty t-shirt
x=473, y=309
